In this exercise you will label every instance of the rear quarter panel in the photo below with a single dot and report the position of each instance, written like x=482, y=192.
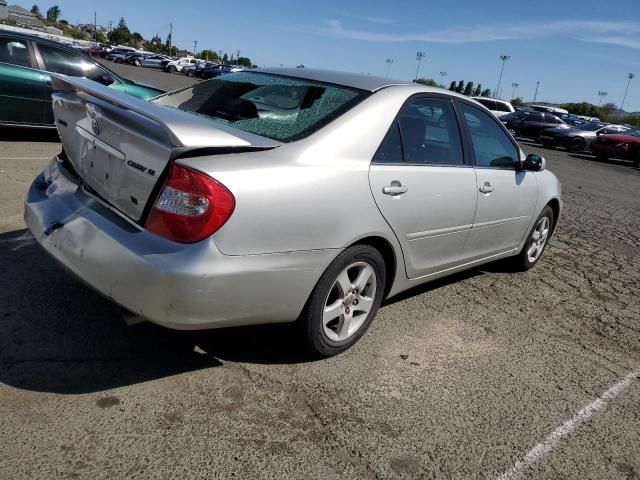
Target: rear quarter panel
x=311, y=194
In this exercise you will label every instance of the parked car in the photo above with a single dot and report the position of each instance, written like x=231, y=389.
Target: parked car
x=571, y=119
x=150, y=60
x=177, y=65
x=25, y=84
x=623, y=145
x=548, y=109
x=578, y=139
x=532, y=124
x=195, y=70
x=100, y=51
x=283, y=194
x=118, y=55
x=212, y=72
x=497, y=107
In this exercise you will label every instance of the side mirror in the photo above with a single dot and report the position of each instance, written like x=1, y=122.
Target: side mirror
x=107, y=79
x=534, y=163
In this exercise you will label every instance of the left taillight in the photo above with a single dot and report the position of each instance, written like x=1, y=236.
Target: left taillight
x=190, y=207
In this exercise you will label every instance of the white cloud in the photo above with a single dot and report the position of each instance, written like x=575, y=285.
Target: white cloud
x=619, y=33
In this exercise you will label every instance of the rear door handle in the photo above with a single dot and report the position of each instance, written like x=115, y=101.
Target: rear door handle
x=486, y=188
x=395, y=189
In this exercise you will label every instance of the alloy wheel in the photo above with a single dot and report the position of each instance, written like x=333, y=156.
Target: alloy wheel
x=349, y=302
x=538, y=240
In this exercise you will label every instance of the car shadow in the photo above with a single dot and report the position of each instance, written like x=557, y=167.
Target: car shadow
x=49, y=135
x=57, y=335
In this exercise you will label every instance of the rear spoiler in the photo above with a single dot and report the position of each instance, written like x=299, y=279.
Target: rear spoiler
x=183, y=129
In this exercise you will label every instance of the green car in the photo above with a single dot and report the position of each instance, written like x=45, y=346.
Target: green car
x=25, y=83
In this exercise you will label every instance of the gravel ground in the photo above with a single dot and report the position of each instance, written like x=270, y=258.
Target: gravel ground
x=456, y=379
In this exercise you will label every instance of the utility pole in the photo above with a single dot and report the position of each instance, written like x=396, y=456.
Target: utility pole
x=389, y=61
x=442, y=75
x=195, y=47
x=170, y=39
x=220, y=56
x=504, y=59
x=601, y=94
x=237, y=57
x=419, y=57
x=513, y=94
x=95, y=27
x=631, y=76
x=535, y=95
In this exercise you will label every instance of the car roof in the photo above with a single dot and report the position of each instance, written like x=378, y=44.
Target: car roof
x=35, y=38
x=353, y=80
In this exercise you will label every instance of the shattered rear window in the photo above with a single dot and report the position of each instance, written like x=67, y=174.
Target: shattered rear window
x=281, y=108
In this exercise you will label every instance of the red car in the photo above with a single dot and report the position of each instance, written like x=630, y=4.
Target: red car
x=625, y=146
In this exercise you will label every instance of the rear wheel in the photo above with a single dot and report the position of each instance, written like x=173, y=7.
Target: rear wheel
x=172, y=69
x=137, y=63
x=577, y=145
x=190, y=73
x=536, y=241
x=344, y=301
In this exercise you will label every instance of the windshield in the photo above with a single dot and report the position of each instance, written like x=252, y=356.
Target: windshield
x=280, y=108
x=519, y=114
x=633, y=133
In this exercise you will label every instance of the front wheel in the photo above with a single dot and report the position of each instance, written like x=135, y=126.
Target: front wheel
x=536, y=241
x=577, y=145
x=344, y=301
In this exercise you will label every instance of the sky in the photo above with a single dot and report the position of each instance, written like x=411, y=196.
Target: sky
x=574, y=48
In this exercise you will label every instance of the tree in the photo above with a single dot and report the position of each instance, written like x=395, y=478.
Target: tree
x=517, y=102
x=122, y=24
x=632, y=120
x=460, y=86
x=155, y=44
x=120, y=36
x=452, y=87
x=478, y=90
x=429, y=82
x=101, y=37
x=468, y=89
x=225, y=58
x=486, y=93
x=582, y=108
x=608, y=109
x=54, y=13
x=245, y=62
x=36, y=11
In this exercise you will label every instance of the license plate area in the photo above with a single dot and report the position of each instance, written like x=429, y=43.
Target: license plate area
x=101, y=165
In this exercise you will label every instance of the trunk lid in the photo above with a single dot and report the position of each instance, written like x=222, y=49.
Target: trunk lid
x=120, y=145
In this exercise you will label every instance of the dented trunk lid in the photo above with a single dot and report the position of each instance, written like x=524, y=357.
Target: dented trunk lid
x=120, y=145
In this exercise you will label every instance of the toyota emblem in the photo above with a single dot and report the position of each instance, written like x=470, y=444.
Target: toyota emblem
x=95, y=126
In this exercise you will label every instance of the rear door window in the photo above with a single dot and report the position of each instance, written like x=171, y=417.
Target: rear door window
x=61, y=61
x=14, y=52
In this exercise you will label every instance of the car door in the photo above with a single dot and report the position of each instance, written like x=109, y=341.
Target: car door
x=22, y=86
x=423, y=186
x=58, y=60
x=506, y=195
x=531, y=124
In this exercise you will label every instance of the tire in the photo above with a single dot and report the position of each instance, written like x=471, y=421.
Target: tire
x=190, y=73
x=577, y=145
x=635, y=157
x=523, y=261
x=354, y=282
x=137, y=63
x=172, y=69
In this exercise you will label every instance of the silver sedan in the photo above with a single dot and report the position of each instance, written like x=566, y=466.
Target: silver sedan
x=283, y=195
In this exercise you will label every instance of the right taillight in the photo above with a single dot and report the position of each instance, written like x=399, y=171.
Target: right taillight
x=190, y=207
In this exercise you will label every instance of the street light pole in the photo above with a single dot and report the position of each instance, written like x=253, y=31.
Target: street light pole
x=513, y=94
x=601, y=94
x=389, y=62
x=419, y=57
x=442, y=75
x=504, y=59
x=631, y=76
x=535, y=95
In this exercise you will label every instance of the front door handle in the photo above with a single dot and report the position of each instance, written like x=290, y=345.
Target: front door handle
x=394, y=189
x=486, y=188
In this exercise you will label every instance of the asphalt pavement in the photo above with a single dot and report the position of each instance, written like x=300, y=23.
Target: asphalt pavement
x=485, y=375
